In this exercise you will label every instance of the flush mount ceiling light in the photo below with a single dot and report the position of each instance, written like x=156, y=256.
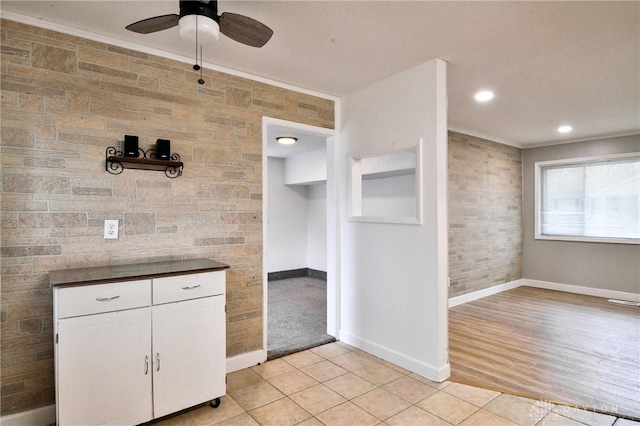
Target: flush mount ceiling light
x=286, y=140
x=484, y=96
x=564, y=129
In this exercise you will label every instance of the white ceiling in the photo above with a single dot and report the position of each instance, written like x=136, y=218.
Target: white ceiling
x=548, y=62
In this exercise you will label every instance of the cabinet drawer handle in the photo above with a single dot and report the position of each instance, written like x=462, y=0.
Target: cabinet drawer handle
x=146, y=365
x=157, y=361
x=107, y=298
x=190, y=287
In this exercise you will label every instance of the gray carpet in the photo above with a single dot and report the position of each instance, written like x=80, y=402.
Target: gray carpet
x=297, y=316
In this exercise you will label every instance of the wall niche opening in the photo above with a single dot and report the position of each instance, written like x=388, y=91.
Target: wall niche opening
x=386, y=188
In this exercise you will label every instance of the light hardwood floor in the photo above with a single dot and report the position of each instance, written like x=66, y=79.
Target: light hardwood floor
x=558, y=347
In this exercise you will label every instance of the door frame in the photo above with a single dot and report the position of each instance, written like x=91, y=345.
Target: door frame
x=333, y=240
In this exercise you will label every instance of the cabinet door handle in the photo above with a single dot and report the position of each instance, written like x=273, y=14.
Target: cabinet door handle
x=146, y=365
x=190, y=287
x=157, y=361
x=107, y=298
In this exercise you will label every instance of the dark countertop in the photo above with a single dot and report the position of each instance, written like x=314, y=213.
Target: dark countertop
x=101, y=274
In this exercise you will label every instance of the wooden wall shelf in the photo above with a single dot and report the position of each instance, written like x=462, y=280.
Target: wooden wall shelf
x=116, y=162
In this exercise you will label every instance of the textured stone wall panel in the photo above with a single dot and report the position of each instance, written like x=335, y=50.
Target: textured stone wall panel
x=485, y=214
x=65, y=99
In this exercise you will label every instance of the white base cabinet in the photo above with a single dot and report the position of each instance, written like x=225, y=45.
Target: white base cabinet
x=184, y=373
x=102, y=368
x=129, y=352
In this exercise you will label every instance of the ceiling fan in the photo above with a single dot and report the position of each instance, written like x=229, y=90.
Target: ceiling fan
x=200, y=23
x=200, y=18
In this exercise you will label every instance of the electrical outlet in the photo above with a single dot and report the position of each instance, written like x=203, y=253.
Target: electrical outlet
x=110, y=229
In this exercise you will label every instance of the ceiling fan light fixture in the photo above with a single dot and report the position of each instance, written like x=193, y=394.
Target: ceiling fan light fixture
x=200, y=27
x=286, y=140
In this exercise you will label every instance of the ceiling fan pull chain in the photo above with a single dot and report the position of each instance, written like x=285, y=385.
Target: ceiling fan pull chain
x=196, y=42
x=201, y=81
x=196, y=67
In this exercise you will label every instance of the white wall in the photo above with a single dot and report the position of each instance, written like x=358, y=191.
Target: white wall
x=297, y=217
x=389, y=196
x=287, y=216
x=307, y=168
x=394, y=276
x=317, y=227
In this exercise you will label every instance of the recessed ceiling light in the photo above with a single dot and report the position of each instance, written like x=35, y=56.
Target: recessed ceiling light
x=484, y=96
x=565, y=129
x=286, y=140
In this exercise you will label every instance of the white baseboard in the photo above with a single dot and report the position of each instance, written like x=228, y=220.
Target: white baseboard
x=246, y=360
x=433, y=373
x=459, y=300
x=41, y=416
x=588, y=291
x=568, y=288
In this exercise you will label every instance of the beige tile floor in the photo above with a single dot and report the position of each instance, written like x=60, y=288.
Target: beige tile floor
x=337, y=384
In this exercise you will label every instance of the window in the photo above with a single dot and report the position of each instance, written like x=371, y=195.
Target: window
x=590, y=199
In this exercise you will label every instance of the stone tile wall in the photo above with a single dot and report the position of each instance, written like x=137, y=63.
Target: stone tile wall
x=64, y=101
x=485, y=214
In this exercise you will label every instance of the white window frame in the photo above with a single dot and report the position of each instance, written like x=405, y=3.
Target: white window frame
x=538, y=204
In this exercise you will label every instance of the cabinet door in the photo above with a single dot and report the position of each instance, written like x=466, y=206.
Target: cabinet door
x=189, y=353
x=104, y=368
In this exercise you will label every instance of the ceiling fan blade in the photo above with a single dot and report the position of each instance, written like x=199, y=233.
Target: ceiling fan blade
x=157, y=23
x=244, y=30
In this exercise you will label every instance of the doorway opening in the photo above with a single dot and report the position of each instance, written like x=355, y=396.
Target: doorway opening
x=299, y=238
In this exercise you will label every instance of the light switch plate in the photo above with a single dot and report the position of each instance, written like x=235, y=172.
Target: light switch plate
x=110, y=229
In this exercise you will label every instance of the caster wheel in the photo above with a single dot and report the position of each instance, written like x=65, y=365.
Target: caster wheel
x=215, y=403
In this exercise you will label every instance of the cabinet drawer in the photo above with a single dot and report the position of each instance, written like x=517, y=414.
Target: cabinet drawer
x=99, y=298
x=185, y=287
